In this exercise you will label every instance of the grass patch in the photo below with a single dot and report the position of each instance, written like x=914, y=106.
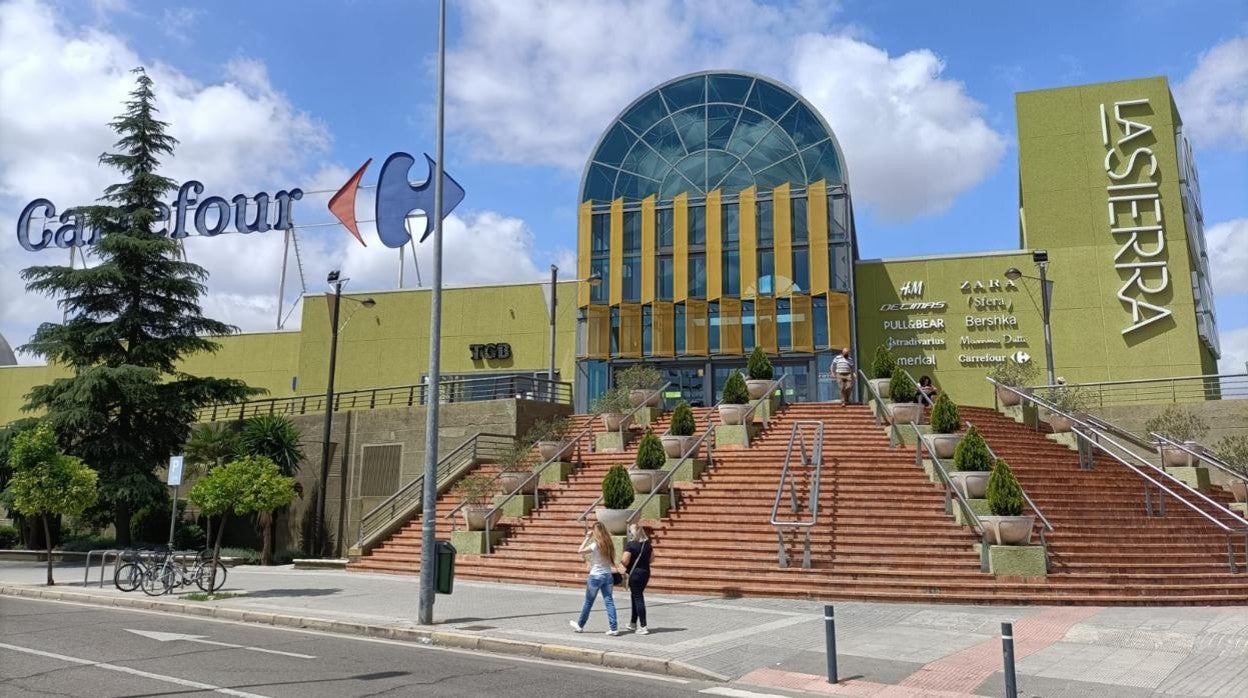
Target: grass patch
x=201, y=596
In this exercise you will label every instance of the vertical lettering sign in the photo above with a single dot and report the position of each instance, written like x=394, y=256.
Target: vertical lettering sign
x=1134, y=211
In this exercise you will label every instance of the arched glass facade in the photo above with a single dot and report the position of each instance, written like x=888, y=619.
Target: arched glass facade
x=716, y=210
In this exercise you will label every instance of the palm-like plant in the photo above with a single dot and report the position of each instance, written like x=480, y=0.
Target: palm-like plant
x=209, y=446
x=276, y=438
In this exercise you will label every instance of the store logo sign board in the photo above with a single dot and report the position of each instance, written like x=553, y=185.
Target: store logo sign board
x=397, y=197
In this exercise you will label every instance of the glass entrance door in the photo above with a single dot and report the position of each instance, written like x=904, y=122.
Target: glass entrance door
x=687, y=383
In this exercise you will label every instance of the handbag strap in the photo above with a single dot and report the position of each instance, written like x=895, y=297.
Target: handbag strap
x=637, y=559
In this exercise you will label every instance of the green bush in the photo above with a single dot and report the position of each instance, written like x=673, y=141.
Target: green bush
x=639, y=377
x=883, y=364
x=8, y=537
x=901, y=388
x=188, y=536
x=735, y=392
x=1005, y=496
x=1066, y=398
x=1178, y=424
x=650, y=455
x=85, y=542
x=972, y=454
x=759, y=367
x=613, y=401
x=683, y=423
x=553, y=429
x=475, y=490
x=945, y=418
x=515, y=458
x=1013, y=374
x=617, y=489
x=1233, y=450
x=247, y=556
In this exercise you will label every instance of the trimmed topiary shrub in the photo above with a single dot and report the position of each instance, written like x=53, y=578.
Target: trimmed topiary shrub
x=901, y=388
x=972, y=453
x=759, y=367
x=683, y=423
x=883, y=364
x=735, y=392
x=1005, y=496
x=617, y=489
x=8, y=537
x=650, y=455
x=945, y=419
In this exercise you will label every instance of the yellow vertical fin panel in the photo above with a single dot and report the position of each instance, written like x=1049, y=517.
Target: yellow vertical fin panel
x=765, y=324
x=749, y=244
x=801, y=321
x=583, y=252
x=648, y=249
x=838, y=320
x=782, y=215
x=630, y=330
x=617, y=253
x=663, y=331
x=714, y=247
x=680, y=247
x=817, y=227
x=730, y=326
x=697, y=327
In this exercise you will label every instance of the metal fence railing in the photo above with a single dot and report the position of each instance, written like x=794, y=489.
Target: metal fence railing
x=1159, y=390
x=462, y=390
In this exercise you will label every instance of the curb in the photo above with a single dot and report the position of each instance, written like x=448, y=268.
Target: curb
x=442, y=638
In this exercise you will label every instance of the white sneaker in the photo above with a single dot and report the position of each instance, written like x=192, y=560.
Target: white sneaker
x=642, y=631
x=576, y=628
x=632, y=627
x=612, y=633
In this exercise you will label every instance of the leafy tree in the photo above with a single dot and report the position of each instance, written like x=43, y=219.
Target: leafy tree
x=1005, y=495
x=883, y=364
x=758, y=366
x=277, y=438
x=617, y=489
x=48, y=483
x=209, y=446
x=945, y=419
x=131, y=319
x=249, y=485
x=972, y=453
x=683, y=423
x=650, y=454
x=8, y=433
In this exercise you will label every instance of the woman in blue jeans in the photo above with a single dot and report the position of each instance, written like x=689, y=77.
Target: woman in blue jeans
x=600, y=552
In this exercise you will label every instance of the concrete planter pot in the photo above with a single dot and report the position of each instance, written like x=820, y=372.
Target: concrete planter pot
x=1008, y=398
x=1008, y=530
x=616, y=520
x=1239, y=490
x=474, y=518
x=881, y=387
x=1178, y=458
x=612, y=421
x=510, y=481
x=1060, y=423
x=733, y=415
x=973, y=484
x=554, y=450
x=637, y=398
x=673, y=446
x=757, y=388
x=904, y=412
x=646, y=481
x=943, y=445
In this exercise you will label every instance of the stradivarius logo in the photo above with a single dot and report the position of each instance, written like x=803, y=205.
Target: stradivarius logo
x=397, y=197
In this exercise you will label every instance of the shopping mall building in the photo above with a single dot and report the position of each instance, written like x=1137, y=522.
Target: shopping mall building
x=716, y=214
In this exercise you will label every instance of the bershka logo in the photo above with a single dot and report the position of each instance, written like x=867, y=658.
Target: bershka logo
x=397, y=197
x=930, y=305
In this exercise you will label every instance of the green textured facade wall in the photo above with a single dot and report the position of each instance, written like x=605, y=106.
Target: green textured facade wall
x=16, y=382
x=268, y=360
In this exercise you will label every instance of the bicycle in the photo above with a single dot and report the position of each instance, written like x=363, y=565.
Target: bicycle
x=171, y=573
x=131, y=568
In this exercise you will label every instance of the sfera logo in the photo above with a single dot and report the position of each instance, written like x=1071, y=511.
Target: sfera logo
x=397, y=197
x=930, y=305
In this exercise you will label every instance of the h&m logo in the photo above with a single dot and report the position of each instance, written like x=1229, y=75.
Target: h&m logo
x=910, y=289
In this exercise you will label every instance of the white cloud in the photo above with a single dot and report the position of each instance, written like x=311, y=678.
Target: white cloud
x=1234, y=351
x=177, y=22
x=538, y=82
x=1213, y=99
x=1227, y=245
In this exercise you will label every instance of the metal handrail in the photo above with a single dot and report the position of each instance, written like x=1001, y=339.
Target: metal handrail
x=1026, y=498
x=407, y=500
x=1152, y=389
x=976, y=524
x=461, y=390
x=926, y=398
x=815, y=488
x=1202, y=455
x=771, y=389
x=1094, y=437
x=879, y=401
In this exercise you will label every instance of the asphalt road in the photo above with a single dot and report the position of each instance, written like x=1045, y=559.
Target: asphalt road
x=51, y=648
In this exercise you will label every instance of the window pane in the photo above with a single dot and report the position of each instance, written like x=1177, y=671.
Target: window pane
x=615, y=331
x=712, y=312
x=784, y=324
x=697, y=275
x=800, y=233
x=732, y=273
x=664, y=226
x=820, y=314
x=600, y=233
x=801, y=269
x=697, y=226
x=766, y=268
x=680, y=328
x=632, y=231
x=664, y=290
x=747, y=325
x=598, y=294
x=730, y=218
x=647, y=323
x=840, y=267
x=765, y=224
x=631, y=290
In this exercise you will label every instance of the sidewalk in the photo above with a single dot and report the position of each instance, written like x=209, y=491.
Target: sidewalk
x=884, y=649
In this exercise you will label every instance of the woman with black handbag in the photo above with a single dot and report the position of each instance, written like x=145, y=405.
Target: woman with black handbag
x=599, y=550
x=638, y=552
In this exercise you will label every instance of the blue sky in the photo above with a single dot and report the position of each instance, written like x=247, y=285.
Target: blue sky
x=534, y=83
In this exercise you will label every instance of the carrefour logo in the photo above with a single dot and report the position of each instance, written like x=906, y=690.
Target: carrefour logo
x=40, y=226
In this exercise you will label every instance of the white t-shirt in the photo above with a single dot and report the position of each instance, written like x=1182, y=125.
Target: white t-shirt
x=598, y=563
x=842, y=365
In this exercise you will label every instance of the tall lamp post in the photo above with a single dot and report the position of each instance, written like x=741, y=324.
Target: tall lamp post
x=593, y=280
x=335, y=306
x=1041, y=259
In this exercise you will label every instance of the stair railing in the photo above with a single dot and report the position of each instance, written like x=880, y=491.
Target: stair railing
x=952, y=492
x=1201, y=455
x=1093, y=433
x=1047, y=525
x=875, y=395
x=813, y=459
x=399, y=507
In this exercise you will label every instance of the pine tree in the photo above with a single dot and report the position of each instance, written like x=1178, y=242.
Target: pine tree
x=131, y=319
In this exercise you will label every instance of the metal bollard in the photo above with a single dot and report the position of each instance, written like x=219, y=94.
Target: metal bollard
x=1007, y=649
x=829, y=632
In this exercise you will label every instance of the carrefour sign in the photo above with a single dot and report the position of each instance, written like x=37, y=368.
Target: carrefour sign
x=39, y=226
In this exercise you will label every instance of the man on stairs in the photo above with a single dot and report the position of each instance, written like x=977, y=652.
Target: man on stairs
x=843, y=373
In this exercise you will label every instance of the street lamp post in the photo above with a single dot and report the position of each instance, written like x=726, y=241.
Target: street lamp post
x=328, y=424
x=1041, y=259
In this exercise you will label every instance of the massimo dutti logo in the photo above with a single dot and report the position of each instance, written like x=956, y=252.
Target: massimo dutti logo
x=397, y=197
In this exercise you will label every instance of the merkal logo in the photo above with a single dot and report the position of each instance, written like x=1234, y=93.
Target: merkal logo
x=397, y=197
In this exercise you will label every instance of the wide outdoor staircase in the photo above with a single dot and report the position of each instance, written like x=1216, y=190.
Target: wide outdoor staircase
x=882, y=531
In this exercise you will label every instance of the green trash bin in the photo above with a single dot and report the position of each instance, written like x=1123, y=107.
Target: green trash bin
x=444, y=564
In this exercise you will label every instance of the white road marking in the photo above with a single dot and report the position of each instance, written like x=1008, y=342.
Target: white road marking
x=134, y=672
x=375, y=640
x=172, y=637
x=738, y=693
